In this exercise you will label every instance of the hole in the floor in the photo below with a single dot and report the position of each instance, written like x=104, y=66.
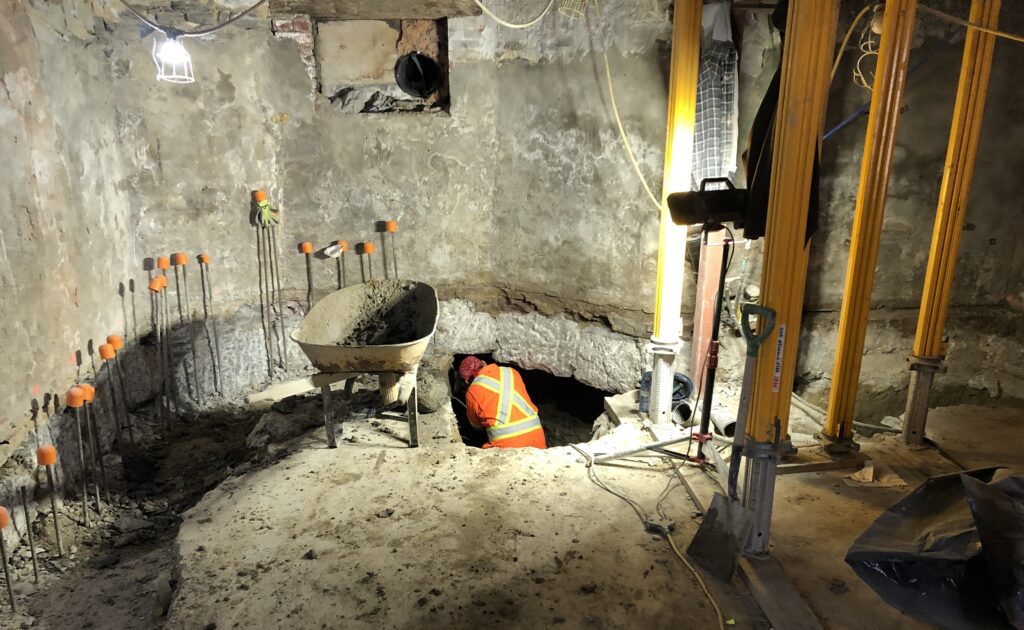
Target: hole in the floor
x=567, y=407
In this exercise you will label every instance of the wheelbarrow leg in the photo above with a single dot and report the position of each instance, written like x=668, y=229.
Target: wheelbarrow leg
x=412, y=411
x=332, y=439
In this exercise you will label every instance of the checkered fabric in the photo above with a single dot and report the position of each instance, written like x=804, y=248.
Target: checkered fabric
x=714, y=143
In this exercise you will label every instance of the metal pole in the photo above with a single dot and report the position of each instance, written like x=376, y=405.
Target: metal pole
x=394, y=254
x=961, y=155
x=276, y=267
x=329, y=426
x=191, y=337
x=7, y=573
x=124, y=399
x=803, y=95
x=666, y=341
x=216, y=336
x=709, y=374
x=56, y=515
x=876, y=167
x=90, y=420
x=31, y=536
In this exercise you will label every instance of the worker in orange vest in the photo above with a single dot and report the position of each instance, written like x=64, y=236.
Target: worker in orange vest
x=497, y=401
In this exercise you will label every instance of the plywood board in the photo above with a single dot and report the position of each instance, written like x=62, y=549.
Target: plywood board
x=974, y=436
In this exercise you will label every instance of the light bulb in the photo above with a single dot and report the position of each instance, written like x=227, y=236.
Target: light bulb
x=172, y=52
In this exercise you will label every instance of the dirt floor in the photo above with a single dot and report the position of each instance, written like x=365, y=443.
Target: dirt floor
x=247, y=520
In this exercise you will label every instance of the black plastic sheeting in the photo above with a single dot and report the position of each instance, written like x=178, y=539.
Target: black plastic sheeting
x=951, y=553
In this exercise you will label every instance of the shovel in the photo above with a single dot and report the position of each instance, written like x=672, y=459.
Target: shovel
x=721, y=536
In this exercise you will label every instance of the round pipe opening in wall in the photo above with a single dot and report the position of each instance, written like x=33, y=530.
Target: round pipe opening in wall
x=418, y=75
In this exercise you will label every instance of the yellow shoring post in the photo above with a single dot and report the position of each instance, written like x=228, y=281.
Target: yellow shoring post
x=876, y=167
x=682, y=113
x=806, y=65
x=949, y=218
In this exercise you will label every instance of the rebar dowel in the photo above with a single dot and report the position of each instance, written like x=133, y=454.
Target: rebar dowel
x=216, y=337
x=277, y=291
x=344, y=274
x=154, y=302
x=309, y=283
x=114, y=413
x=338, y=263
x=90, y=419
x=384, y=253
x=124, y=399
x=7, y=573
x=56, y=515
x=181, y=324
x=31, y=536
x=277, y=336
x=394, y=254
x=191, y=337
x=81, y=463
x=172, y=382
x=263, y=267
x=90, y=447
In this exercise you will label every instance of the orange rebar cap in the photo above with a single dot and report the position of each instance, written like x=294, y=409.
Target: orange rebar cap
x=46, y=455
x=90, y=391
x=368, y=248
x=306, y=248
x=163, y=262
x=204, y=259
x=342, y=244
x=259, y=195
x=107, y=352
x=392, y=226
x=154, y=285
x=115, y=340
x=180, y=258
x=75, y=397
x=5, y=518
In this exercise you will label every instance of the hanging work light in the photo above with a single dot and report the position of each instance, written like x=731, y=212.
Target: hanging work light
x=573, y=8
x=173, y=63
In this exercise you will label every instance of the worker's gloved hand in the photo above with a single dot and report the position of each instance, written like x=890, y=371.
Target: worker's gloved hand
x=267, y=214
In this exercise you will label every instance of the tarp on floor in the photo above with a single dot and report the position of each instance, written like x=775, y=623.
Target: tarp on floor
x=951, y=553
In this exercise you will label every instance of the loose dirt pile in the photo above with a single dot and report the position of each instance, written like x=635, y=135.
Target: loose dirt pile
x=388, y=316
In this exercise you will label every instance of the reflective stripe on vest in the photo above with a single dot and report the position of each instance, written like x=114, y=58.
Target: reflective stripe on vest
x=504, y=427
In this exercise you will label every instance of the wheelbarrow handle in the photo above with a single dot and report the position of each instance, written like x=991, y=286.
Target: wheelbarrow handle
x=766, y=324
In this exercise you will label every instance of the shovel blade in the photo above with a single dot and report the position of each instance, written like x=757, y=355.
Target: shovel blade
x=720, y=539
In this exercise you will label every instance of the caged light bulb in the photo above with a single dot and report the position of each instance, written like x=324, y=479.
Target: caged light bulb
x=172, y=52
x=173, y=63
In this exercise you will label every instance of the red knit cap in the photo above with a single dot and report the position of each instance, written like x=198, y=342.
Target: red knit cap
x=470, y=367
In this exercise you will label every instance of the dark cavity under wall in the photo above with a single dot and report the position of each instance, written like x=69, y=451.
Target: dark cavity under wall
x=567, y=407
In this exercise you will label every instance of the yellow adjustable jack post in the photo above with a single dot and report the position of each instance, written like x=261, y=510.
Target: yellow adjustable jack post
x=806, y=63
x=682, y=114
x=972, y=90
x=883, y=118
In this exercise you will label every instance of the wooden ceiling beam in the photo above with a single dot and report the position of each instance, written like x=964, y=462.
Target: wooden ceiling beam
x=375, y=9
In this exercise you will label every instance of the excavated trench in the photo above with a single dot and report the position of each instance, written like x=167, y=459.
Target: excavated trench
x=567, y=407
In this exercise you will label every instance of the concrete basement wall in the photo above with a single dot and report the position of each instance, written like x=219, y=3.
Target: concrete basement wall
x=519, y=201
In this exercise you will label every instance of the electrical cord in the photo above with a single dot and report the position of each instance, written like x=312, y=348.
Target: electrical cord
x=173, y=32
x=967, y=24
x=663, y=529
x=846, y=39
x=506, y=24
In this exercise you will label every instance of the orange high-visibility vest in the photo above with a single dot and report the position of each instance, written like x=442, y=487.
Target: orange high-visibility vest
x=497, y=400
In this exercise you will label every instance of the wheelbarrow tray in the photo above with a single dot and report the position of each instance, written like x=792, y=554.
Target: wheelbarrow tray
x=409, y=309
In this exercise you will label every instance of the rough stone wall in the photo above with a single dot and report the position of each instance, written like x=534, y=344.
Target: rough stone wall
x=991, y=261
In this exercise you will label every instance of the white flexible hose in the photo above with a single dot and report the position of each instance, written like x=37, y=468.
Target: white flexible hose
x=497, y=19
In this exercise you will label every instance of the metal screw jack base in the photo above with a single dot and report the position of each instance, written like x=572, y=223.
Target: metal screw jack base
x=838, y=448
x=762, y=460
x=916, y=416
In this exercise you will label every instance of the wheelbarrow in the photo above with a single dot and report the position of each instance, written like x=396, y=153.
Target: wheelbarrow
x=382, y=328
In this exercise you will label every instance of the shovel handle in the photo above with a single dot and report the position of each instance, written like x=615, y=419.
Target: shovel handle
x=766, y=321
